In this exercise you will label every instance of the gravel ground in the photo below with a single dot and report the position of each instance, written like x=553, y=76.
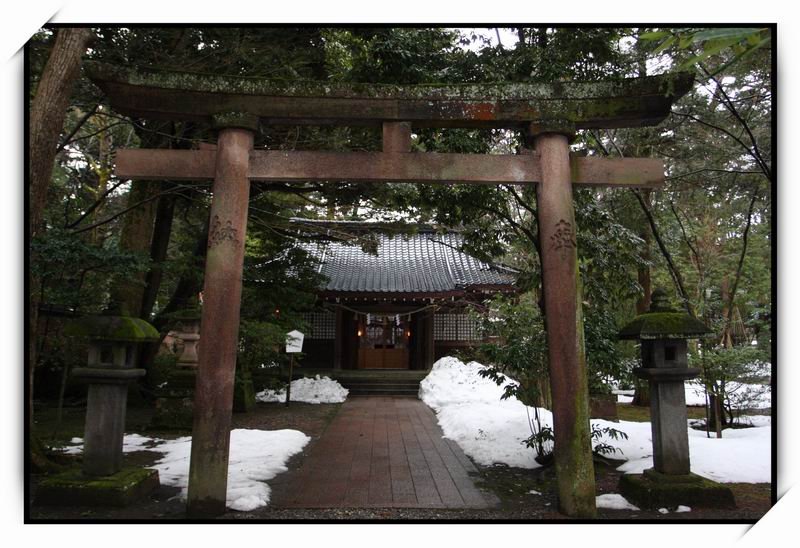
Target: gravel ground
x=512, y=486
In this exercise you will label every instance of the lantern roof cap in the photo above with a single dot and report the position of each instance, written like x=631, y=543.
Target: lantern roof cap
x=192, y=311
x=114, y=324
x=663, y=322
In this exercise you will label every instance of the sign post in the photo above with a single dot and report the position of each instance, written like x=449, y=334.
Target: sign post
x=294, y=344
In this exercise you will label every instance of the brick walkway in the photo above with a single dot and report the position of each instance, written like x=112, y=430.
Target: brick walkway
x=383, y=452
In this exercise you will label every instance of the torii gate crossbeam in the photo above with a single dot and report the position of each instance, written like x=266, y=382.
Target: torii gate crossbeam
x=549, y=113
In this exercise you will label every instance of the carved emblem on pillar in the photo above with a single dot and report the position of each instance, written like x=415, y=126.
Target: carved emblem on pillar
x=220, y=233
x=563, y=239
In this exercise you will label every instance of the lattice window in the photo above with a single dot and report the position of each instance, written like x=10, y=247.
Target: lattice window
x=323, y=324
x=455, y=327
x=468, y=329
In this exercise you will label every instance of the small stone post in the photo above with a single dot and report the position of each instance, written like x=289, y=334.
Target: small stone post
x=219, y=329
x=561, y=285
x=663, y=333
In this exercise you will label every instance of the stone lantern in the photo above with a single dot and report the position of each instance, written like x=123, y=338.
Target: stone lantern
x=187, y=329
x=113, y=339
x=663, y=334
x=174, y=402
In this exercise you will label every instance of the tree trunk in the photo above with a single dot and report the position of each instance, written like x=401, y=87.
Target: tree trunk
x=47, y=112
x=190, y=283
x=165, y=212
x=137, y=225
x=158, y=253
x=641, y=395
x=135, y=236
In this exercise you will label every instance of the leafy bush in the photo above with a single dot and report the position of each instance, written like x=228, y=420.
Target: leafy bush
x=520, y=350
x=260, y=342
x=601, y=447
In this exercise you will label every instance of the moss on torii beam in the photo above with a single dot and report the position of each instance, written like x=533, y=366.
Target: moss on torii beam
x=152, y=93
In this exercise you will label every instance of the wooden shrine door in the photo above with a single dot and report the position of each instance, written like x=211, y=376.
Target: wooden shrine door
x=383, y=342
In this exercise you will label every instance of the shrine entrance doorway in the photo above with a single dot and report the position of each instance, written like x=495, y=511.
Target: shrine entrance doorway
x=384, y=342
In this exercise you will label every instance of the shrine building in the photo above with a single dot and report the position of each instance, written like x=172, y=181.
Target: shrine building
x=399, y=303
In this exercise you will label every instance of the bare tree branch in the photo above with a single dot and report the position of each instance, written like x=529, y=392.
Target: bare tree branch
x=764, y=168
x=673, y=270
x=94, y=206
x=736, y=278
x=77, y=128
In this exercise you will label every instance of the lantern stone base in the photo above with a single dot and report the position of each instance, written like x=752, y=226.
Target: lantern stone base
x=175, y=402
x=72, y=488
x=655, y=490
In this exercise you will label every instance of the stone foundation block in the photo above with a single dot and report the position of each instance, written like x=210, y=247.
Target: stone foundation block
x=72, y=488
x=654, y=490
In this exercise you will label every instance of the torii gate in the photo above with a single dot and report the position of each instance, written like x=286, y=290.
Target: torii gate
x=549, y=113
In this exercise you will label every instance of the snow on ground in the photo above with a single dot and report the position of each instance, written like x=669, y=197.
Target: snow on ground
x=750, y=396
x=256, y=456
x=756, y=420
x=131, y=442
x=624, y=396
x=307, y=390
x=614, y=501
x=491, y=430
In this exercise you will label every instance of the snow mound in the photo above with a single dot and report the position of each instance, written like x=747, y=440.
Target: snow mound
x=491, y=431
x=614, y=501
x=256, y=456
x=452, y=381
x=307, y=390
x=471, y=413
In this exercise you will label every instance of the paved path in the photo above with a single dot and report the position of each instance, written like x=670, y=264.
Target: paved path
x=383, y=452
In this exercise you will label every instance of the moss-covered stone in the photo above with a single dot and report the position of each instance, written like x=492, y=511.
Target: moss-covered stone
x=112, y=329
x=655, y=490
x=664, y=325
x=661, y=85
x=622, y=102
x=191, y=313
x=227, y=120
x=73, y=488
x=661, y=321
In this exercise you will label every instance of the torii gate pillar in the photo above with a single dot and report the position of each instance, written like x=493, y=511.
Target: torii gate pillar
x=562, y=302
x=219, y=328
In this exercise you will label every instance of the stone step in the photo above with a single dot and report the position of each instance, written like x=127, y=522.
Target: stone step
x=381, y=386
x=382, y=392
